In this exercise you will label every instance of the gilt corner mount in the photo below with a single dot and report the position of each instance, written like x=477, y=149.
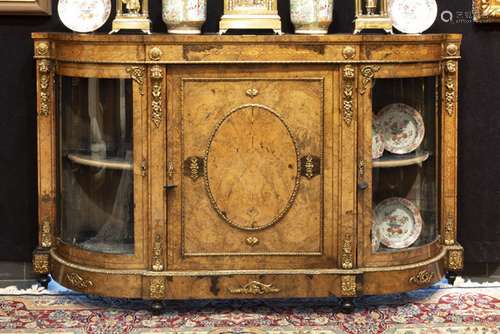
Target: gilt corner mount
x=486, y=11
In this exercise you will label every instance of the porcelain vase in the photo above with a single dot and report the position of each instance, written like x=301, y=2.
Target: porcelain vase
x=311, y=16
x=184, y=16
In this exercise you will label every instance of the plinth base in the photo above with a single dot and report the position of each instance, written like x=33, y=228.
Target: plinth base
x=250, y=22
x=373, y=22
x=138, y=22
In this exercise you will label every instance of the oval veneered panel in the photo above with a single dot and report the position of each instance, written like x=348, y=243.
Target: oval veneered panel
x=252, y=168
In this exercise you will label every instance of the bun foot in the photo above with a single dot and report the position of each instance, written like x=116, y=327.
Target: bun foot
x=44, y=281
x=451, y=277
x=156, y=307
x=347, y=305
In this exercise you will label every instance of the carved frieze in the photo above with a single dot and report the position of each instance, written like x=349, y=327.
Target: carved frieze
x=78, y=282
x=255, y=288
x=423, y=277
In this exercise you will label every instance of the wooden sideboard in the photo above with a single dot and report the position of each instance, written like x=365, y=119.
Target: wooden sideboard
x=174, y=167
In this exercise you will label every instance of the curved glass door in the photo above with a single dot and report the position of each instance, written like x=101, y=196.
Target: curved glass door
x=405, y=163
x=95, y=164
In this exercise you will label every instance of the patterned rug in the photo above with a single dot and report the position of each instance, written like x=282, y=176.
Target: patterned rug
x=429, y=311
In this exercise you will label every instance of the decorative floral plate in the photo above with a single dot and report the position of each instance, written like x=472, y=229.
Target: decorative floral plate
x=84, y=15
x=375, y=237
x=403, y=128
x=398, y=222
x=413, y=16
x=377, y=139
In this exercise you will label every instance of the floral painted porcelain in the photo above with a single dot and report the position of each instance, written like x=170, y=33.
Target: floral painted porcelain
x=377, y=139
x=403, y=128
x=413, y=16
x=398, y=222
x=84, y=15
x=184, y=16
x=311, y=16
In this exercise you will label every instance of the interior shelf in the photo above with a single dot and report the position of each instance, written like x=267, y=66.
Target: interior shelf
x=391, y=161
x=87, y=160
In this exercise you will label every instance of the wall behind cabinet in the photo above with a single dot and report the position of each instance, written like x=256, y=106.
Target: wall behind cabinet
x=479, y=166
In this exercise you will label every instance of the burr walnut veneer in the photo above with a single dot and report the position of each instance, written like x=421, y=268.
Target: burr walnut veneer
x=246, y=169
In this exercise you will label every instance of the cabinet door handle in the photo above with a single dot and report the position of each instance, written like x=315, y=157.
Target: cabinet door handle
x=170, y=186
x=363, y=185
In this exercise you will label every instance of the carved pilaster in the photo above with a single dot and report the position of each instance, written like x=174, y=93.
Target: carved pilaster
x=449, y=230
x=42, y=49
x=348, y=74
x=156, y=95
x=450, y=86
x=44, y=78
x=156, y=263
x=46, y=233
x=347, y=255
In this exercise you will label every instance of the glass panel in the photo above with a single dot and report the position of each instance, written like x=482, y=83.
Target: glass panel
x=405, y=161
x=95, y=157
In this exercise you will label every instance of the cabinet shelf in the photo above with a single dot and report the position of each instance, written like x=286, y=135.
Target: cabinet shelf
x=87, y=160
x=393, y=161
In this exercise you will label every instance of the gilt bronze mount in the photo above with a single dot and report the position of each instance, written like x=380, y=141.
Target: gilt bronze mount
x=250, y=14
x=132, y=15
x=372, y=15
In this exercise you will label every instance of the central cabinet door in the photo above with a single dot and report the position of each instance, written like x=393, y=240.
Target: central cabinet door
x=252, y=153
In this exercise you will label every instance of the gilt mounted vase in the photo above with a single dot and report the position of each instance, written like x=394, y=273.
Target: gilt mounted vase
x=311, y=17
x=184, y=16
